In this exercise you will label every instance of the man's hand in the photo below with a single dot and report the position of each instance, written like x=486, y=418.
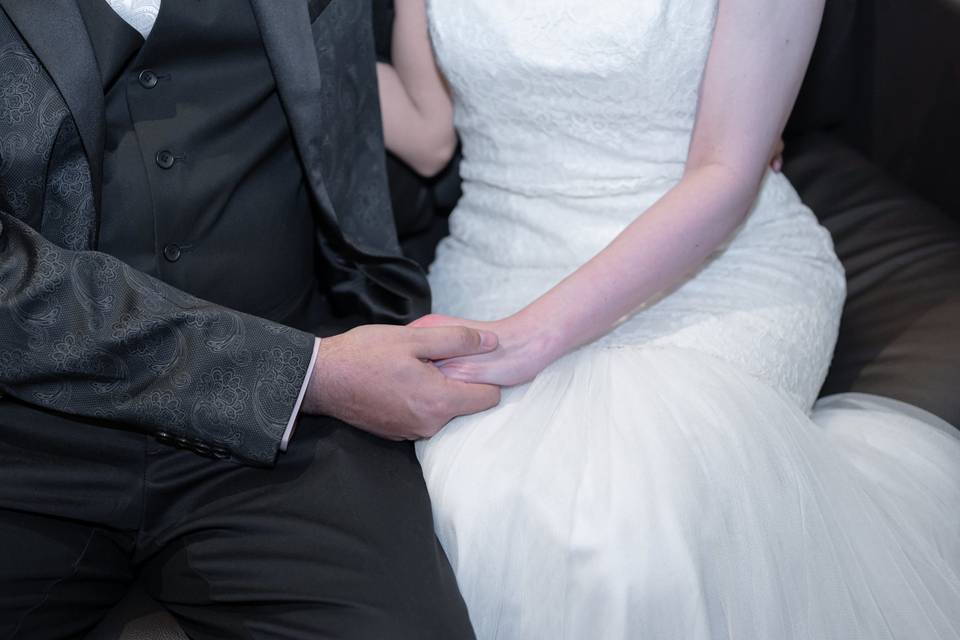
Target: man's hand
x=382, y=379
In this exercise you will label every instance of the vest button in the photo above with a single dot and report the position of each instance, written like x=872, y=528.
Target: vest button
x=172, y=252
x=165, y=159
x=148, y=79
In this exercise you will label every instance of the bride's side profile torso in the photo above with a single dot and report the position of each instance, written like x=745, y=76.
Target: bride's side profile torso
x=575, y=117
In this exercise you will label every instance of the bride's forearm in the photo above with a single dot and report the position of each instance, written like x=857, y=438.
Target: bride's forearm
x=756, y=64
x=652, y=255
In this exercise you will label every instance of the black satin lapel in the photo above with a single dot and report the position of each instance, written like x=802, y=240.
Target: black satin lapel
x=316, y=7
x=288, y=41
x=55, y=31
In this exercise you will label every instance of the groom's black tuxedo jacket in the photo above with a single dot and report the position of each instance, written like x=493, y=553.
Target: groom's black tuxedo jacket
x=83, y=333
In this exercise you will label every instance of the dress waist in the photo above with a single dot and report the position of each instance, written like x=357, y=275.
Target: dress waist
x=570, y=181
x=541, y=228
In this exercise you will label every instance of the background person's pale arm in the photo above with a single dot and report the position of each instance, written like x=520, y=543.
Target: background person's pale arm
x=416, y=105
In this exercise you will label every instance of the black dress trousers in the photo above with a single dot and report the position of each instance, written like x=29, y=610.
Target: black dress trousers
x=336, y=541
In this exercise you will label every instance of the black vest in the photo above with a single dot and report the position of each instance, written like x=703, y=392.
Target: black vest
x=202, y=185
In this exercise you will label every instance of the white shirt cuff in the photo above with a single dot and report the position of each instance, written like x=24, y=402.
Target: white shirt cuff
x=303, y=391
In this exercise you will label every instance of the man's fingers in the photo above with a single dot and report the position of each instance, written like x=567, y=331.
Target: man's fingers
x=441, y=343
x=434, y=320
x=466, y=398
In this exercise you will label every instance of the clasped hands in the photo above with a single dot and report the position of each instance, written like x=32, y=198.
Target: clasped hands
x=407, y=383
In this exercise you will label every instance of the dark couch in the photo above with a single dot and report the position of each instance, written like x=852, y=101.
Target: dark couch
x=872, y=148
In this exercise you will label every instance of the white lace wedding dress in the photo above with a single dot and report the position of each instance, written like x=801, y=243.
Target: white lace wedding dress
x=674, y=480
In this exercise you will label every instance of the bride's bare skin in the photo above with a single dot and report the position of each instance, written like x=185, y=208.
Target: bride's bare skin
x=757, y=60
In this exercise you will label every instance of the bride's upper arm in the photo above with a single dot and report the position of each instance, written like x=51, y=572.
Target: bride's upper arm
x=757, y=61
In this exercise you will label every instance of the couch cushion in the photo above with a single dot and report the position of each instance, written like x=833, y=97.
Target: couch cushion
x=900, y=332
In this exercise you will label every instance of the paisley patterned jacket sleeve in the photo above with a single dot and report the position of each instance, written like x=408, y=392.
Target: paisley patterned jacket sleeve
x=83, y=333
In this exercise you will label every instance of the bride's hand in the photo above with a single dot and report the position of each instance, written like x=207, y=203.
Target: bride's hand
x=521, y=355
x=776, y=163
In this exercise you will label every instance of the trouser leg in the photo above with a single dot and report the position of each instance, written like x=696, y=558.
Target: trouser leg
x=58, y=578
x=69, y=507
x=336, y=541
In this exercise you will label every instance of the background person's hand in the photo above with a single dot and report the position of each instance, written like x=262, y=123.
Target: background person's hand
x=382, y=379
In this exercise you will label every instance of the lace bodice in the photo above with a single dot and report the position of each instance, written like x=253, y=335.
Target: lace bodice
x=607, y=89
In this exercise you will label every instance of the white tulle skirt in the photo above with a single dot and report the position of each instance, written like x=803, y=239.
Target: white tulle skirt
x=662, y=493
